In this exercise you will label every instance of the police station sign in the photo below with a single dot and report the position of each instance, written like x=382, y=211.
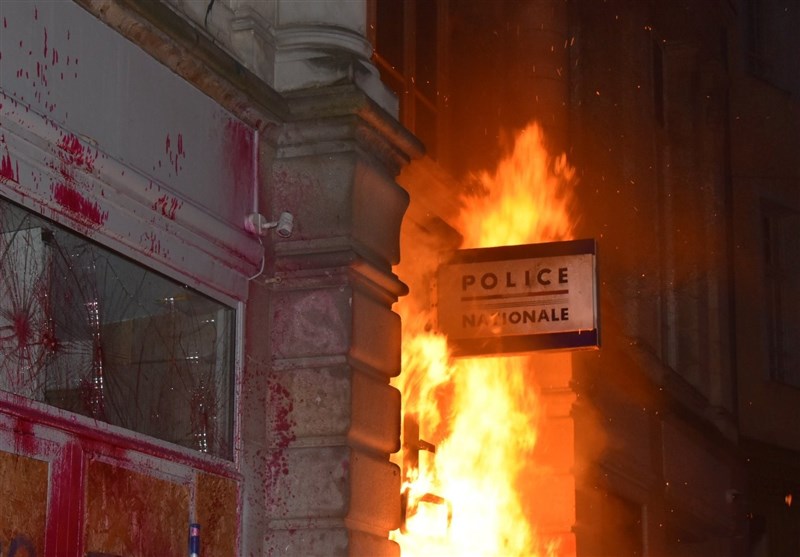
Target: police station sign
x=514, y=299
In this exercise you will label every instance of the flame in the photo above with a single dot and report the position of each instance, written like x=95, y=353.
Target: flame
x=527, y=199
x=480, y=413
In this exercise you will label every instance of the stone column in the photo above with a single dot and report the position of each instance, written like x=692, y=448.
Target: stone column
x=332, y=417
x=295, y=45
x=550, y=489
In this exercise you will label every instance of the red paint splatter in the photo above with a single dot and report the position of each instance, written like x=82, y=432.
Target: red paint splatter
x=151, y=242
x=81, y=208
x=72, y=152
x=63, y=497
x=49, y=340
x=280, y=400
x=35, y=13
x=239, y=147
x=25, y=440
x=7, y=169
x=167, y=206
x=21, y=325
x=45, y=43
x=174, y=157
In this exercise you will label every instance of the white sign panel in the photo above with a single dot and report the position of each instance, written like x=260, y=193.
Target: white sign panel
x=520, y=298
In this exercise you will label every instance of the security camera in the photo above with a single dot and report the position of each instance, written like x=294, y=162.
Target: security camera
x=258, y=224
x=285, y=225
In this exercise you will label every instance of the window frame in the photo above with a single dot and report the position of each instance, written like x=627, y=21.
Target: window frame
x=143, y=323
x=776, y=277
x=412, y=98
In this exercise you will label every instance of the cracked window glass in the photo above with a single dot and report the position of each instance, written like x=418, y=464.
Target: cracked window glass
x=89, y=331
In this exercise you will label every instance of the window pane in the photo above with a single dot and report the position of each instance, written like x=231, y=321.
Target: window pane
x=773, y=43
x=782, y=263
x=426, y=53
x=425, y=128
x=389, y=29
x=89, y=331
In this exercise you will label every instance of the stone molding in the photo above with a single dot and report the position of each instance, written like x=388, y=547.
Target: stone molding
x=335, y=341
x=194, y=55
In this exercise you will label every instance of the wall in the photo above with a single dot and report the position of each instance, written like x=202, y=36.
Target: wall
x=103, y=139
x=765, y=132
x=649, y=137
x=317, y=418
x=145, y=159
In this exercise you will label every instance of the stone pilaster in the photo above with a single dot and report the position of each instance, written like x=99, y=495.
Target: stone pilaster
x=332, y=417
x=553, y=479
x=298, y=45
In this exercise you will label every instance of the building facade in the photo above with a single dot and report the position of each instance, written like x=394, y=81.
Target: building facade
x=681, y=122
x=199, y=227
x=201, y=218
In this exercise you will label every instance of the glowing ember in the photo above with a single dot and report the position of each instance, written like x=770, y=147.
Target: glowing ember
x=481, y=414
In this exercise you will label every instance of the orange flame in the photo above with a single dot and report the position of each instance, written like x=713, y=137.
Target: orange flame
x=527, y=199
x=481, y=414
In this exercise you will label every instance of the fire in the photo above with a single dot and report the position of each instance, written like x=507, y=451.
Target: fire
x=527, y=199
x=481, y=414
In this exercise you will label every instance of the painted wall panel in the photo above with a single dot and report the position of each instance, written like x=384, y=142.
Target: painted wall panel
x=81, y=489
x=23, y=485
x=129, y=513
x=217, y=504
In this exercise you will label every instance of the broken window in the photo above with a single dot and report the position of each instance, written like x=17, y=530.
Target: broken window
x=772, y=42
x=781, y=228
x=89, y=331
x=408, y=50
